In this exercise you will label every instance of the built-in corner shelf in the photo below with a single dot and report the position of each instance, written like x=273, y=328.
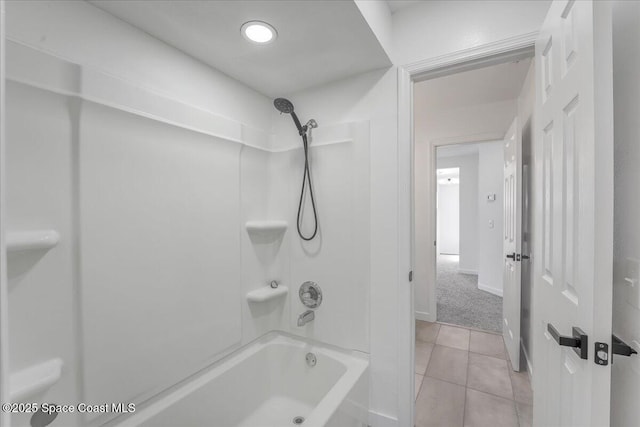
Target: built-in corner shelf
x=18, y=241
x=266, y=227
x=34, y=379
x=266, y=293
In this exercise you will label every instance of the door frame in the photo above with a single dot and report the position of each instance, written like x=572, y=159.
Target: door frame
x=4, y=305
x=509, y=49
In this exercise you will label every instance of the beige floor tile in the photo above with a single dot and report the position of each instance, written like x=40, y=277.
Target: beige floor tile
x=487, y=344
x=448, y=364
x=423, y=354
x=521, y=387
x=490, y=375
x=451, y=336
x=426, y=331
x=440, y=404
x=418, y=384
x=486, y=410
x=525, y=414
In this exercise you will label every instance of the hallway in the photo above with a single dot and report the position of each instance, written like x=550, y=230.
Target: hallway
x=460, y=302
x=463, y=378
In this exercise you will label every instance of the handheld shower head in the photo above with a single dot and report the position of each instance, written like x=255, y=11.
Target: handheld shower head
x=285, y=106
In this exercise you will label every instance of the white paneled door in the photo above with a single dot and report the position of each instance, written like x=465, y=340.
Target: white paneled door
x=574, y=215
x=512, y=226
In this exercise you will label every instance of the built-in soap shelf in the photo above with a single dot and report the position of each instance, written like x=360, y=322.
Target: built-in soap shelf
x=273, y=227
x=34, y=379
x=266, y=293
x=29, y=240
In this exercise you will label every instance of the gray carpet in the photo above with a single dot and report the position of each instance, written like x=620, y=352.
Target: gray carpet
x=460, y=302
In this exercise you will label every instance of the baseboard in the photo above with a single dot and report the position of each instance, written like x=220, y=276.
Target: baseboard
x=380, y=420
x=526, y=358
x=490, y=289
x=424, y=316
x=466, y=271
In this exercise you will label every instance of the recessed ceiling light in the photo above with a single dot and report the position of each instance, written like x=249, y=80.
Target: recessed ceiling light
x=258, y=32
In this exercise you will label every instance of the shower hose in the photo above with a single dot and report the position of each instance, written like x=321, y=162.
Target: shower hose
x=306, y=181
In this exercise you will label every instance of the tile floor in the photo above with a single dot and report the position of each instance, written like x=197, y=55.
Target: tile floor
x=464, y=378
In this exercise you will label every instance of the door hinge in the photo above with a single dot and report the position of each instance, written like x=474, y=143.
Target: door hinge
x=411, y=276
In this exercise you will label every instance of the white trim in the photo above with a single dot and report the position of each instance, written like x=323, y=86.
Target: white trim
x=512, y=48
x=377, y=419
x=492, y=53
x=476, y=137
x=467, y=271
x=523, y=350
x=406, y=320
x=490, y=289
x=5, y=419
x=424, y=316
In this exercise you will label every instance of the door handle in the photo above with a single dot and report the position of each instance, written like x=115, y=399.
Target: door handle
x=579, y=341
x=620, y=347
x=512, y=256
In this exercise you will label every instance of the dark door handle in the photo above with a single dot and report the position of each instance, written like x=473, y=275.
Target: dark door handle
x=525, y=256
x=578, y=341
x=512, y=256
x=621, y=348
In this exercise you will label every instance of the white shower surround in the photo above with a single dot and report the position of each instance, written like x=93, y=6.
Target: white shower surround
x=268, y=383
x=263, y=171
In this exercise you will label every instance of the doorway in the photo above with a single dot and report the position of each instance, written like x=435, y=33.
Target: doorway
x=463, y=130
x=469, y=284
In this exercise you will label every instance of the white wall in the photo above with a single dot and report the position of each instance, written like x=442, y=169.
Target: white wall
x=490, y=241
x=448, y=236
x=468, y=165
x=433, y=28
x=378, y=17
x=625, y=380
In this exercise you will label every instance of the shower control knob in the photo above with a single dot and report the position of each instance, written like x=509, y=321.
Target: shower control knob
x=310, y=294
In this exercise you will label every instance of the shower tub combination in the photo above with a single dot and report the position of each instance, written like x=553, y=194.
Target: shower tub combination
x=276, y=381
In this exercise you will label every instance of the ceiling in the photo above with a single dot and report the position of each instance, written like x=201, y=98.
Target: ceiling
x=500, y=82
x=396, y=5
x=480, y=103
x=456, y=150
x=318, y=41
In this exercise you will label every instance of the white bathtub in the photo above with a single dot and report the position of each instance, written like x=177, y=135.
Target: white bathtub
x=267, y=384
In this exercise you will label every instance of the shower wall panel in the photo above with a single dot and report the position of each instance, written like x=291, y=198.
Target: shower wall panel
x=160, y=252
x=264, y=257
x=42, y=295
x=338, y=258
